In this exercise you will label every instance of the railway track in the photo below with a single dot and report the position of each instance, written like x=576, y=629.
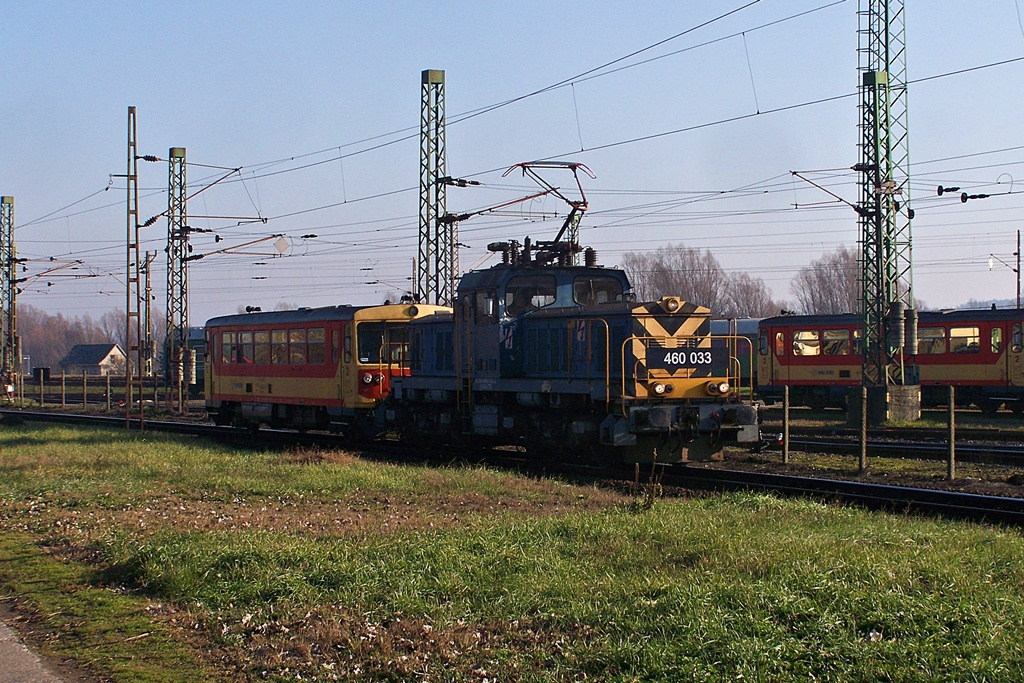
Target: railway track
x=951, y=504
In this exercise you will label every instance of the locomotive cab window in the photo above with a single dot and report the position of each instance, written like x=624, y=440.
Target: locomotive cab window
x=964, y=340
x=588, y=290
x=836, y=343
x=780, y=344
x=806, y=343
x=1016, y=339
x=931, y=340
x=529, y=292
x=762, y=343
x=486, y=308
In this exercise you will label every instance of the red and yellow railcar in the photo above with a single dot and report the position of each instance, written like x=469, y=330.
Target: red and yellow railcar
x=819, y=357
x=312, y=368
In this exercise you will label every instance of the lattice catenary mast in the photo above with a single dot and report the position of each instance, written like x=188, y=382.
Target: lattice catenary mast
x=437, y=263
x=884, y=209
x=10, y=353
x=177, y=278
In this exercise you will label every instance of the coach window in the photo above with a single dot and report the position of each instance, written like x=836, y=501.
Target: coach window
x=245, y=351
x=334, y=346
x=262, y=340
x=317, y=341
x=931, y=340
x=964, y=340
x=228, y=347
x=806, y=343
x=297, y=347
x=762, y=343
x=780, y=344
x=858, y=342
x=529, y=292
x=279, y=347
x=1017, y=339
x=997, y=340
x=588, y=290
x=837, y=343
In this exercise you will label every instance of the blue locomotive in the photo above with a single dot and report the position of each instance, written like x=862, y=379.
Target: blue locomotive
x=561, y=360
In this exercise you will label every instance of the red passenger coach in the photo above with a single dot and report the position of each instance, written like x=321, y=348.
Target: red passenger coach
x=980, y=352
x=321, y=368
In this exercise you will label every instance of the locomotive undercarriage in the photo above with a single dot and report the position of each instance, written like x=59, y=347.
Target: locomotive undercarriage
x=575, y=428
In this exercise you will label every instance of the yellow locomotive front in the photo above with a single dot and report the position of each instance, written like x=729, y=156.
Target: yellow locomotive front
x=679, y=395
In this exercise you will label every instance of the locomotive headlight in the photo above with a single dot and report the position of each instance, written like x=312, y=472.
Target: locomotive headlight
x=367, y=378
x=659, y=389
x=716, y=388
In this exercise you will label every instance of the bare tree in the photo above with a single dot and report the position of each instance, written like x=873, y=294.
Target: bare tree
x=830, y=284
x=748, y=297
x=677, y=270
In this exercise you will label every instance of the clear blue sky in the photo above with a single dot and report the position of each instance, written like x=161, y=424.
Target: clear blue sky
x=272, y=87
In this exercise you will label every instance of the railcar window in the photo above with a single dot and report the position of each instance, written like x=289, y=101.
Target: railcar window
x=931, y=340
x=317, y=340
x=297, y=347
x=588, y=290
x=997, y=340
x=762, y=343
x=858, y=343
x=806, y=343
x=262, y=340
x=392, y=339
x=279, y=347
x=334, y=346
x=228, y=340
x=837, y=343
x=780, y=344
x=1017, y=339
x=529, y=292
x=245, y=351
x=964, y=340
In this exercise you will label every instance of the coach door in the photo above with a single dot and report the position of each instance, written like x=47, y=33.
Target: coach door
x=1015, y=354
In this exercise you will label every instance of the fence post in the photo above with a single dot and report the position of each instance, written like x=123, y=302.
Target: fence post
x=85, y=391
x=951, y=460
x=63, y=389
x=108, y=392
x=863, y=463
x=41, y=389
x=785, y=425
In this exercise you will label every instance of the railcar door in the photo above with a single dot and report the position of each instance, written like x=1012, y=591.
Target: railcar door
x=1015, y=355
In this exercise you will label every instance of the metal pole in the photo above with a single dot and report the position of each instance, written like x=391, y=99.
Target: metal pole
x=785, y=425
x=1018, y=269
x=85, y=391
x=108, y=393
x=63, y=389
x=863, y=464
x=951, y=461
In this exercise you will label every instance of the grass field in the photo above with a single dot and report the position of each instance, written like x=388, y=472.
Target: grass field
x=152, y=558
